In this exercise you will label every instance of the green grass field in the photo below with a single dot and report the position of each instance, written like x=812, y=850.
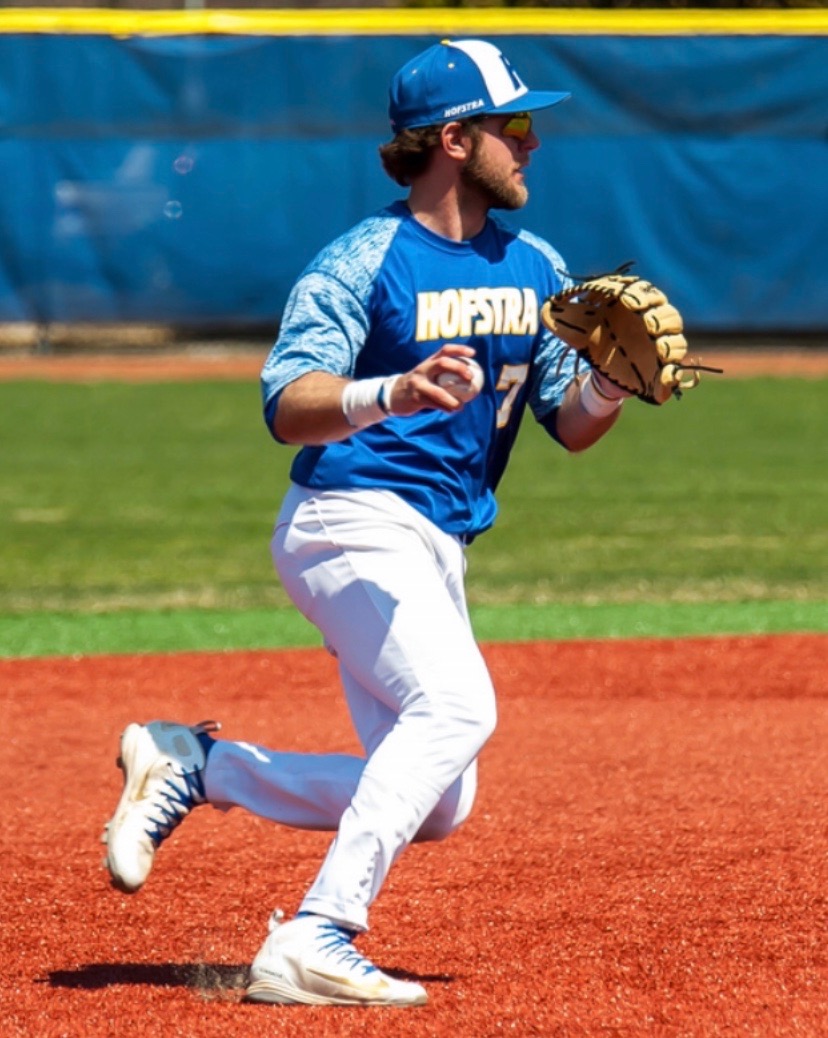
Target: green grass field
x=136, y=517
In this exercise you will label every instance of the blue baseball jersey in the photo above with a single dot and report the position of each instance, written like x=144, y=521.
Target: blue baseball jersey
x=386, y=295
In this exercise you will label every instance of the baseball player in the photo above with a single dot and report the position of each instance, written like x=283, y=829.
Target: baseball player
x=409, y=350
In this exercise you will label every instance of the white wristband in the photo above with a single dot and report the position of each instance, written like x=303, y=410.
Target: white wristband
x=365, y=400
x=594, y=402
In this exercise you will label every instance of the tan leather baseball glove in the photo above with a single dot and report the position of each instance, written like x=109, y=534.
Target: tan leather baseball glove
x=627, y=330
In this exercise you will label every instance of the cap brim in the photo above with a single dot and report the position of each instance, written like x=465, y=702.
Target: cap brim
x=531, y=101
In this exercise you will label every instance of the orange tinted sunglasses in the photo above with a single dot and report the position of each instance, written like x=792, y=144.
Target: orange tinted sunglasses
x=519, y=126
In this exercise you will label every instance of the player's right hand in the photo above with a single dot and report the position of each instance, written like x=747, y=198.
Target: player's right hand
x=417, y=390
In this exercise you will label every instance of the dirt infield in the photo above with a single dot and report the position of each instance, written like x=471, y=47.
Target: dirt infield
x=648, y=856
x=154, y=366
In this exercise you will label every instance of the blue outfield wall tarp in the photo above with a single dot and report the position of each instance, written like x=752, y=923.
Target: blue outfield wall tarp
x=188, y=179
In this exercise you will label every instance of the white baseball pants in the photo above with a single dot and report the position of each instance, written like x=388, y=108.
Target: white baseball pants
x=385, y=588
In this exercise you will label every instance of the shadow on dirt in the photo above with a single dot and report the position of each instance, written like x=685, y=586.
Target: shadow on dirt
x=203, y=976
x=207, y=976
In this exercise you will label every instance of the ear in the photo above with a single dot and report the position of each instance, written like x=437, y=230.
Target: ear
x=456, y=141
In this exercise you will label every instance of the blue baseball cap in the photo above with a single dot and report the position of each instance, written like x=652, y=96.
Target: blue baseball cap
x=455, y=79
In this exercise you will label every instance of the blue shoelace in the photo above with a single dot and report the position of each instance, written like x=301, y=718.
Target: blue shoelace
x=174, y=803
x=336, y=942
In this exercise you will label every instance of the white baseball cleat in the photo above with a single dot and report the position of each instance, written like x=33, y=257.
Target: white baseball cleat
x=311, y=960
x=163, y=767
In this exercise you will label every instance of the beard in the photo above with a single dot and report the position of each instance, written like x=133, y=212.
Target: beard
x=495, y=186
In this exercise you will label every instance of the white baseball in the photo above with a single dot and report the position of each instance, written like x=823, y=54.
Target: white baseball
x=459, y=388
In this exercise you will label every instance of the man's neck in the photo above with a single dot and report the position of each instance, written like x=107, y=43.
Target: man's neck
x=446, y=214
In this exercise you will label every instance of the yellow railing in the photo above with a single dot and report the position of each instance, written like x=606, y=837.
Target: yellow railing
x=419, y=21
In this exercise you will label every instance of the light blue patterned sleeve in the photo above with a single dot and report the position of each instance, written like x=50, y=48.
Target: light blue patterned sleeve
x=326, y=320
x=323, y=327
x=555, y=364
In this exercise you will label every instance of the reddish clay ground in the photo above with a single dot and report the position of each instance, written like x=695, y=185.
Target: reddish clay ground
x=648, y=856
x=649, y=853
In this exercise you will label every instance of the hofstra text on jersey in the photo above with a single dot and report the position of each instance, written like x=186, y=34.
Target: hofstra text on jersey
x=461, y=312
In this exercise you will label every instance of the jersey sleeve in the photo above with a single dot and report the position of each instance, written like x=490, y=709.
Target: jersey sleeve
x=555, y=365
x=323, y=329
x=327, y=316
